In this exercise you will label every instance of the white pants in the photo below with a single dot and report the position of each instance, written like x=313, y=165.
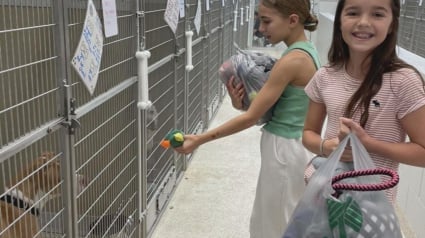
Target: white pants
x=280, y=184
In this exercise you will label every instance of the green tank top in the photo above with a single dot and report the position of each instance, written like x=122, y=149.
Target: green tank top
x=290, y=110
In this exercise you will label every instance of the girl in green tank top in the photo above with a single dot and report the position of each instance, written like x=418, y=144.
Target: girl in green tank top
x=283, y=157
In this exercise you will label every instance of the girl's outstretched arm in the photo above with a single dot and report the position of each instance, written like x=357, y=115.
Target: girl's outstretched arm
x=286, y=70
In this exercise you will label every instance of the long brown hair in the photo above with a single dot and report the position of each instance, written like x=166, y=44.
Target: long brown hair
x=383, y=58
x=299, y=7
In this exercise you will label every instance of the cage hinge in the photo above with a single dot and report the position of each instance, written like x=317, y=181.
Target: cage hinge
x=140, y=13
x=71, y=123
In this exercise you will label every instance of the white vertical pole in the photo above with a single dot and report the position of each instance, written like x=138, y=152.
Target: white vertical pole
x=142, y=75
x=189, y=65
x=235, y=20
x=242, y=20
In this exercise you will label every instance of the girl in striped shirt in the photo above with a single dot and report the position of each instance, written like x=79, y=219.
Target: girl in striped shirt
x=367, y=90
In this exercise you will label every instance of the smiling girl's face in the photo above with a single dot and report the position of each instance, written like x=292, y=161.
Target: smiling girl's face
x=365, y=24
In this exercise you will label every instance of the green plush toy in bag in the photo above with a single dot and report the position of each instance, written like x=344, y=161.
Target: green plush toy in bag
x=349, y=205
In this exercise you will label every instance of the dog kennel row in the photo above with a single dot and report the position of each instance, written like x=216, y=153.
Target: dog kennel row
x=88, y=164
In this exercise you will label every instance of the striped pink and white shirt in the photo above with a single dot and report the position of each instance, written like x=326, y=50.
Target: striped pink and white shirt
x=402, y=92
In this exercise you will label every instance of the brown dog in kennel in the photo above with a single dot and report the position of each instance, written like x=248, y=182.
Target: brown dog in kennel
x=28, y=193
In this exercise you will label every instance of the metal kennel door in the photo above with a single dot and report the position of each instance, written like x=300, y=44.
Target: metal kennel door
x=105, y=147
x=44, y=106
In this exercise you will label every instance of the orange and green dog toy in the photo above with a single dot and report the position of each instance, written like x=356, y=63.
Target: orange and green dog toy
x=174, y=138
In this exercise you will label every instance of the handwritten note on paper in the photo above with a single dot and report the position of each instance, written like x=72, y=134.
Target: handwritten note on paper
x=197, y=20
x=181, y=6
x=171, y=15
x=110, y=19
x=88, y=55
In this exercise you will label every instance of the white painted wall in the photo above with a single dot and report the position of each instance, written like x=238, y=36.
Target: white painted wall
x=411, y=195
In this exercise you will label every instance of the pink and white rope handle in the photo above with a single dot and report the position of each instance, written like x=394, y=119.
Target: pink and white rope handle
x=365, y=187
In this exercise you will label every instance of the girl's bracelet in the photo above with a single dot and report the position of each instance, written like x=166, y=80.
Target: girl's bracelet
x=321, y=151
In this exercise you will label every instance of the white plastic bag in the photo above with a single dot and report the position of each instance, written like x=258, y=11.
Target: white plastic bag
x=352, y=214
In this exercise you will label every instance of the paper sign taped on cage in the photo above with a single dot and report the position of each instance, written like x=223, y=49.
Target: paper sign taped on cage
x=110, y=18
x=197, y=20
x=181, y=6
x=171, y=15
x=207, y=5
x=88, y=55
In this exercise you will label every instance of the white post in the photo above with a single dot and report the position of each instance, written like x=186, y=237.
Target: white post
x=247, y=14
x=242, y=16
x=235, y=20
x=189, y=65
x=142, y=76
